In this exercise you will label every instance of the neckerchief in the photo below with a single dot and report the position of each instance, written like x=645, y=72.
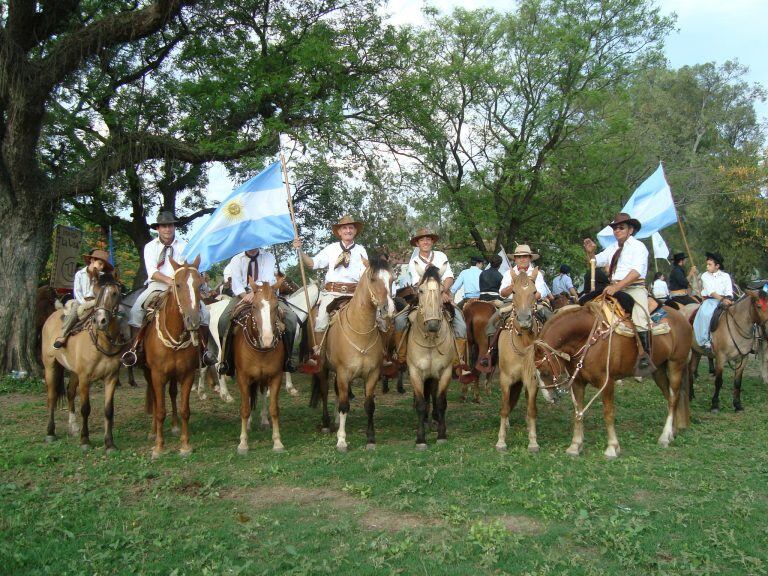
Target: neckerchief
x=615, y=261
x=345, y=257
x=166, y=251
x=253, y=267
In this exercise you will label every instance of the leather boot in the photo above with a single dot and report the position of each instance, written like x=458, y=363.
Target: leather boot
x=644, y=361
x=66, y=327
x=461, y=344
x=207, y=357
x=485, y=362
x=288, y=338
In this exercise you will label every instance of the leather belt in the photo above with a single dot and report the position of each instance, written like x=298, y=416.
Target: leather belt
x=682, y=292
x=343, y=287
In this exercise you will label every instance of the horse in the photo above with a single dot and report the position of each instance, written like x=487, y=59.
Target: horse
x=430, y=355
x=354, y=348
x=580, y=346
x=732, y=340
x=520, y=331
x=90, y=354
x=477, y=313
x=259, y=354
x=172, y=351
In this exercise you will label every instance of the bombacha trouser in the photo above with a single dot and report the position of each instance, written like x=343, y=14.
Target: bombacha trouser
x=137, y=314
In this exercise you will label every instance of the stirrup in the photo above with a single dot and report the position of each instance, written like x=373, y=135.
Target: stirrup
x=484, y=364
x=129, y=358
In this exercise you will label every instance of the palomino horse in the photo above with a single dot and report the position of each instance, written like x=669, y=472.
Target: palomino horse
x=172, y=351
x=354, y=348
x=477, y=313
x=89, y=355
x=580, y=345
x=430, y=354
x=259, y=355
x=732, y=340
x=521, y=329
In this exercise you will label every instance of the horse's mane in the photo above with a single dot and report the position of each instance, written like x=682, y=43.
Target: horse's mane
x=106, y=278
x=432, y=272
x=377, y=264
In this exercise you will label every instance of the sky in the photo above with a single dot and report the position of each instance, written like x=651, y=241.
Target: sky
x=706, y=31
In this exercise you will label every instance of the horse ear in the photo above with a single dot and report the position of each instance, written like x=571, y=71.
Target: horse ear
x=174, y=264
x=196, y=261
x=753, y=293
x=535, y=273
x=276, y=285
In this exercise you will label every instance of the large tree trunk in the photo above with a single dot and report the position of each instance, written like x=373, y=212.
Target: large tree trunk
x=26, y=227
x=139, y=233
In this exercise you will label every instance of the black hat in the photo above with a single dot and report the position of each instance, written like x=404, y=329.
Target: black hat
x=715, y=257
x=476, y=259
x=565, y=269
x=679, y=256
x=624, y=218
x=165, y=217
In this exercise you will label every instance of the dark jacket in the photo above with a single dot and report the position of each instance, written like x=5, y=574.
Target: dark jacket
x=490, y=280
x=677, y=279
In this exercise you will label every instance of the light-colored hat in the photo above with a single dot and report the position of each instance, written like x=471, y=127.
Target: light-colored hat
x=524, y=250
x=99, y=255
x=347, y=219
x=423, y=233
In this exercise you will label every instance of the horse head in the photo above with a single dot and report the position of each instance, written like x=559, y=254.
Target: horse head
x=759, y=306
x=265, y=311
x=185, y=287
x=378, y=281
x=524, y=298
x=107, y=293
x=430, y=301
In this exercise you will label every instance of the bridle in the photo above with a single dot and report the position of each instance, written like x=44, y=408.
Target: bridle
x=377, y=336
x=115, y=345
x=250, y=325
x=431, y=294
x=186, y=338
x=514, y=326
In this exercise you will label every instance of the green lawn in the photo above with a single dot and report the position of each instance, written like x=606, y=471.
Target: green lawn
x=699, y=507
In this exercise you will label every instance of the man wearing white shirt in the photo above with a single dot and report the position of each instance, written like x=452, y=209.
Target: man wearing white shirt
x=627, y=262
x=717, y=291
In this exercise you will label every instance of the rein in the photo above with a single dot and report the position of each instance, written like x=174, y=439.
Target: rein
x=186, y=338
x=251, y=330
x=746, y=335
x=115, y=345
x=377, y=335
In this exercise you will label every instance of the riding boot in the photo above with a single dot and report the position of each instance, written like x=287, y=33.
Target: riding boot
x=66, y=327
x=130, y=357
x=227, y=365
x=644, y=362
x=485, y=362
x=207, y=357
x=461, y=344
x=288, y=339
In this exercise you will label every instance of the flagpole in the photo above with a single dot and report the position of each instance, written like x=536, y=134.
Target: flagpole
x=298, y=252
x=680, y=223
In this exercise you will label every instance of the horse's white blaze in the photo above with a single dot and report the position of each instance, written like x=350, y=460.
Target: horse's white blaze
x=191, y=286
x=266, y=324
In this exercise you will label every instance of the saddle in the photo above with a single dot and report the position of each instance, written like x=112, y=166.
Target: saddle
x=613, y=312
x=82, y=321
x=153, y=304
x=337, y=304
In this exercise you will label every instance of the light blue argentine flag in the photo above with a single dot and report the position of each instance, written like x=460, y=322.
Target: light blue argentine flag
x=651, y=204
x=255, y=215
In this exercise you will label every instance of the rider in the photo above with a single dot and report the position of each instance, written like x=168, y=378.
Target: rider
x=679, y=287
x=422, y=258
x=562, y=284
x=469, y=279
x=490, y=280
x=346, y=262
x=157, y=261
x=717, y=291
x=627, y=262
x=260, y=266
x=96, y=261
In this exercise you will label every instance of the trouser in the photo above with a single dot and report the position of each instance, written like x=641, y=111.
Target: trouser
x=321, y=323
x=137, y=314
x=75, y=312
x=458, y=324
x=640, y=315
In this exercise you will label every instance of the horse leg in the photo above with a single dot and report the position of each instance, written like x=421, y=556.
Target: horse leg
x=74, y=427
x=505, y=384
x=420, y=404
x=264, y=419
x=243, y=382
x=274, y=412
x=370, y=408
x=385, y=385
x=186, y=389
x=342, y=401
x=609, y=413
x=577, y=442
x=464, y=390
x=737, y=384
x=200, y=388
x=131, y=378
x=158, y=390
x=400, y=387
x=54, y=383
x=109, y=412
x=442, y=403
x=693, y=368
x=223, y=390
x=289, y=387
x=719, y=366
x=670, y=395
x=173, y=391
x=85, y=411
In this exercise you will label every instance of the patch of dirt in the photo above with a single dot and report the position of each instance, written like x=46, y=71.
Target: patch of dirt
x=16, y=399
x=642, y=496
x=380, y=519
x=521, y=524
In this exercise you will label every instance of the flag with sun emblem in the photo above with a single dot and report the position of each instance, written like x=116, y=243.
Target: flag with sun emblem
x=255, y=215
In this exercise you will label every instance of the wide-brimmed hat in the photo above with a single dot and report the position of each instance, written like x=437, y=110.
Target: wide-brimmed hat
x=624, y=218
x=165, y=217
x=99, y=255
x=676, y=257
x=423, y=233
x=716, y=257
x=347, y=219
x=524, y=250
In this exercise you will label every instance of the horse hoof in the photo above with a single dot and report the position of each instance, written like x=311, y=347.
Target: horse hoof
x=242, y=450
x=325, y=430
x=341, y=447
x=184, y=452
x=293, y=392
x=156, y=453
x=442, y=440
x=421, y=446
x=611, y=454
x=370, y=446
x=664, y=443
x=574, y=451
x=85, y=447
x=50, y=438
x=501, y=447
x=738, y=408
x=111, y=450
x=280, y=449
x=175, y=431
x=265, y=425
x=203, y=397
x=228, y=398
x=151, y=436
x=715, y=411
x=533, y=449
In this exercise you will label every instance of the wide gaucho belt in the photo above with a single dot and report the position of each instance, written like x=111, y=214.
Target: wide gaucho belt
x=343, y=287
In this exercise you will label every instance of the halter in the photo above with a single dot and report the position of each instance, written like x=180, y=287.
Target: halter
x=186, y=338
x=514, y=326
x=251, y=329
x=442, y=317
x=745, y=334
x=115, y=345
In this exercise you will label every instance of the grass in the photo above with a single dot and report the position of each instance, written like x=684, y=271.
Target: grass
x=699, y=507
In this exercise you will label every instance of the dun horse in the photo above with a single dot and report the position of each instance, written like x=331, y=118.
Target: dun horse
x=521, y=330
x=733, y=340
x=354, y=348
x=477, y=314
x=89, y=355
x=580, y=346
x=259, y=355
x=430, y=354
x=172, y=350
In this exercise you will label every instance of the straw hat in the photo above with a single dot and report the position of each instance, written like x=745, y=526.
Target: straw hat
x=524, y=250
x=347, y=219
x=424, y=233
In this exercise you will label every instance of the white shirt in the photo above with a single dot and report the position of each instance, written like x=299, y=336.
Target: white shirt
x=152, y=252
x=239, y=268
x=718, y=283
x=417, y=267
x=227, y=272
x=328, y=256
x=541, y=286
x=82, y=285
x=660, y=289
x=634, y=256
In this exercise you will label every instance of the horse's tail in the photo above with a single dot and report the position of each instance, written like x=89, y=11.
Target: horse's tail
x=314, y=398
x=149, y=399
x=682, y=416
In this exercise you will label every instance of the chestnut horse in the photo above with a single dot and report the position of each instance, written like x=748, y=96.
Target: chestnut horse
x=520, y=331
x=172, y=350
x=733, y=339
x=259, y=355
x=354, y=348
x=477, y=313
x=89, y=355
x=430, y=355
x=580, y=346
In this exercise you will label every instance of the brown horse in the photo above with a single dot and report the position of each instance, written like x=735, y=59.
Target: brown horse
x=89, y=355
x=520, y=331
x=477, y=313
x=580, y=346
x=430, y=355
x=172, y=350
x=354, y=348
x=733, y=339
x=259, y=355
